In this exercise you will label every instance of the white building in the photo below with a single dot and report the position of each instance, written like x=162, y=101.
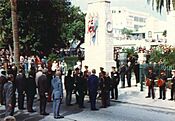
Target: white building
x=142, y=24
x=171, y=25
x=126, y=18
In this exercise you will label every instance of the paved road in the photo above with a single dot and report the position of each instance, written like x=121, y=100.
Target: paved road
x=118, y=111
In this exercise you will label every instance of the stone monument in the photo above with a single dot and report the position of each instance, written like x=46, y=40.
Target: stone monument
x=98, y=36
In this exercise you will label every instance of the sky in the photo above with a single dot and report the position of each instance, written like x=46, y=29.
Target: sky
x=139, y=5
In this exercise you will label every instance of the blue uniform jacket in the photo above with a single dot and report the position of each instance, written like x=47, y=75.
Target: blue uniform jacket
x=57, y=92
x=93, y=82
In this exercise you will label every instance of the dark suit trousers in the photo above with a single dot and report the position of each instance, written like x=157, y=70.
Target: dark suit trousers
x=129, y=79
x=114, y=90
x=20, y=100
x=30, y=99
x=123, y=80
x=137, y=76
x=93, y=96
x=43, y=101
x=68, y=97
x=104, y=96
x=172, y=93
x=151, y=91
x=1, y=94
x=162, y=92
x=80, y=98
x=10, y=110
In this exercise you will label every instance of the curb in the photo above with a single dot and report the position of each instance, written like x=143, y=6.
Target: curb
x=144, y=105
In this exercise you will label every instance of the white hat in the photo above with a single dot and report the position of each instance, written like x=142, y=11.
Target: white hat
x=173, y=70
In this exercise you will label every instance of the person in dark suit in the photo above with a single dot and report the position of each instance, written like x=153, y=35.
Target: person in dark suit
x=85, y=77
x=115, y=78
x=162, y=88
x=151, y=76
x=49, y=77
x=104, y=87
x=122, y=71
x=128, y=73
x=30, y=91
x=101, y=71
x=42, y=90
x=57, y=94
x=9, y=96
x=108, y=81
x=79, y=88
x=21, y=88
x=172, y=86
x=3, y=80
x=93, y=86
x=69, y=86
x=136, y=72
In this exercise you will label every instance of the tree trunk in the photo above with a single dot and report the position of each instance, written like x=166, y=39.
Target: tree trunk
x=15, y=31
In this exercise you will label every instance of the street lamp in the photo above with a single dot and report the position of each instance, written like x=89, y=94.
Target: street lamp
x=80, y=54
x=116, y=56
x=141, y=60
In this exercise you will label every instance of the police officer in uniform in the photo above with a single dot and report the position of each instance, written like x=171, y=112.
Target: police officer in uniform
x=172, y=85
x=115, y=77
x=151, y=76
x=162, y=88
x=79, y=88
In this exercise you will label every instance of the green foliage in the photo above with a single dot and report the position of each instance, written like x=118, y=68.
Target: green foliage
x=5, y=23
x=156, y=55
x=130, y=51
x=43, y=24
x=75, y=27
x=126, y=31
x=53, y=57
x=160, y=54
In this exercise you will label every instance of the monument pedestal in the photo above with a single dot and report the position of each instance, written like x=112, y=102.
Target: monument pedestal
x=98, y=36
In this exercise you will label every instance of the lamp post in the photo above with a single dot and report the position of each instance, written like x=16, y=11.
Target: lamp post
x=116, y=56
x=123, y=57
x=80, y=54
x=141, y=60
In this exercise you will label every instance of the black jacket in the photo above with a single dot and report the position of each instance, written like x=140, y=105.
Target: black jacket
x=31, y=86
x=20, y=83
x=42, y=84
x=69, y=83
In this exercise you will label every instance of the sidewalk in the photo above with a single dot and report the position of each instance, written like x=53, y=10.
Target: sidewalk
x=133, y=95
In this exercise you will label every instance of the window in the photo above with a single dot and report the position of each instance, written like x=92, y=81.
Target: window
x=136, y=18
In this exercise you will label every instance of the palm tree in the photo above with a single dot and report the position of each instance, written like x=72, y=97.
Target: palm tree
x=15, y=31
x=161, y=3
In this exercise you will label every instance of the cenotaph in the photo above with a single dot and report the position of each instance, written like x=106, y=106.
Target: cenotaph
x=98, y=36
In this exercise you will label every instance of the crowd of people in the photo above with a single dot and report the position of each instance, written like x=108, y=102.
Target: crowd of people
x=45, y=81
x=162, y=82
